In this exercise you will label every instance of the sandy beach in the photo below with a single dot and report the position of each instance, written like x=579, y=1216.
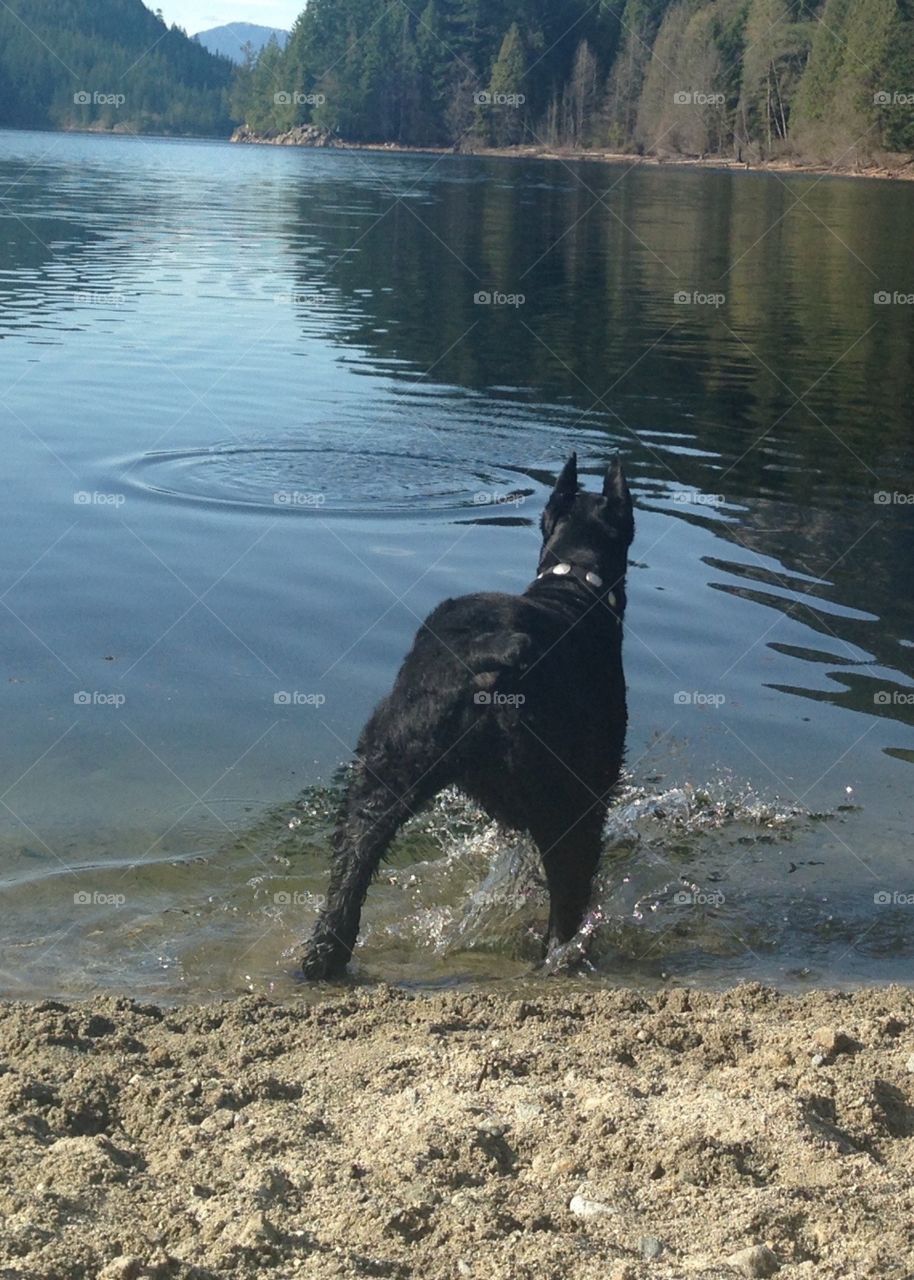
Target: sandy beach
x=567, y=1132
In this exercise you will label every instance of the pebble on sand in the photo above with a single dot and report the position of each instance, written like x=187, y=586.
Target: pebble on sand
x=758, y=1260
x=651, y=1248
x=832, y=1042
x=581, y=1207
x=124, y=1268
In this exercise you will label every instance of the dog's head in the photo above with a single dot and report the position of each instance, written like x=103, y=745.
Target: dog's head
x=591, y=531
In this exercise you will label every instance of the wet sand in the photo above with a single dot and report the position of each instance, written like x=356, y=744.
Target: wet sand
x=564, y=1132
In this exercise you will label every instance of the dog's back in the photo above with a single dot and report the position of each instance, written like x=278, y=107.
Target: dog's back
x=517, y=700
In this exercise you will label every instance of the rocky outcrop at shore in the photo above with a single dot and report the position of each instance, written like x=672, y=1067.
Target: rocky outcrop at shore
x=303, y=135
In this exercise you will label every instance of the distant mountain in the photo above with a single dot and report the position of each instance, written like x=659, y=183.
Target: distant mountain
x=107, y=65
x=229, y=41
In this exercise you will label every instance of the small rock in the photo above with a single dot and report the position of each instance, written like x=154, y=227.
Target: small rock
x=755, y=1261
x=584, y=1208
x=910, y=1063
x=125, y=1268
x=833, y=1042
x=463, y=1268
x=651, y=1248
x=256, y=1231
x=218, y=1122
x=465, y=1200
x=819, y=1059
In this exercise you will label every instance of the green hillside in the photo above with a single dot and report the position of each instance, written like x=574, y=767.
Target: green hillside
x=829, y=79
x=107, y=64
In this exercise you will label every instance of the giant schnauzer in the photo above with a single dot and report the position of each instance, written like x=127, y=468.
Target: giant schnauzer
x=517, y=700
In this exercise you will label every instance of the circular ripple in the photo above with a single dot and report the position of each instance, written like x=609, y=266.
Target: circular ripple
x=315, y=479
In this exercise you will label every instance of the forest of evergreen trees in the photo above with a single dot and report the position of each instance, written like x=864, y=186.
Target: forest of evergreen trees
x=107, y=64
x=822, y=79
x=826, y=79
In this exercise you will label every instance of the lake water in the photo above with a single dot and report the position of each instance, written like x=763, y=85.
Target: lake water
x=257, y=420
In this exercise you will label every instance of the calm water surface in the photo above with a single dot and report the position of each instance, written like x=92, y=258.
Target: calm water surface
x=261, y=409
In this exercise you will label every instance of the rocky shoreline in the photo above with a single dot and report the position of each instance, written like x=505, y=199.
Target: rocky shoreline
x=899, y=167
x=305, y=135
x=563, y=1132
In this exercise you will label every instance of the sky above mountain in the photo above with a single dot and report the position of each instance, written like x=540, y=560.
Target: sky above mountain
x=201, y=15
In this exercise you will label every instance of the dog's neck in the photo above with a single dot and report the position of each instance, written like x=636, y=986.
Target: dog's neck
x=565, y=569
x=577, y=576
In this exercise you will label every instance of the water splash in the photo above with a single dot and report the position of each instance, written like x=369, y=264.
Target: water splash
x=459, y=884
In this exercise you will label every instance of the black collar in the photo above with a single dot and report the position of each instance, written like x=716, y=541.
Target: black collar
x=590, y=579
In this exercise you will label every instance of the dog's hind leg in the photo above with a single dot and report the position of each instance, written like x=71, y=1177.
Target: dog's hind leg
x=570, y=860
x=371, y=816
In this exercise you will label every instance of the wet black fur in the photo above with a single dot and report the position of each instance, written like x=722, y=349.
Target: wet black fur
x=517, y=700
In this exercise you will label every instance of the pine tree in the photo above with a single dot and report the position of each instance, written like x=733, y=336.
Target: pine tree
x=640, y=21
x=837, y=112
x=438, y=70
x=502, y=116
x=896, y=112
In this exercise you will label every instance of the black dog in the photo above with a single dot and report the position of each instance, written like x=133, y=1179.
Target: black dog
x=517, y=700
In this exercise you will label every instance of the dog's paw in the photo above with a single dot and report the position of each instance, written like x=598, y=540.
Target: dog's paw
x=322, y=961
x=569, y=958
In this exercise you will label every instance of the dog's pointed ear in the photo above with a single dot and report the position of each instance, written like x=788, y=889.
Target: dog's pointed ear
x=562, y=496
x=615, y=486
x=619, y=499
x=567, y=484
